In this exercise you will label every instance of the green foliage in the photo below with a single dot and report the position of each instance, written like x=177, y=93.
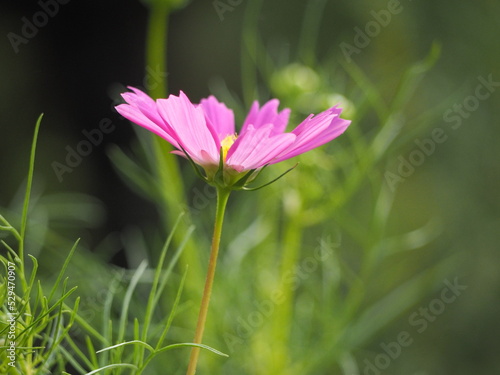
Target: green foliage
x=311, y=271
x=34, y=322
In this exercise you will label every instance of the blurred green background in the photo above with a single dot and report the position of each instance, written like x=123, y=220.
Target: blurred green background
x=75, y=65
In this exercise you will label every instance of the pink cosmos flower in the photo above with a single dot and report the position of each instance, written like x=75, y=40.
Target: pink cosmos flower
x=206, y=131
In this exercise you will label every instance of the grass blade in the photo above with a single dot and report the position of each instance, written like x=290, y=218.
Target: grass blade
x=128, y=297
x=63, y=269
x=112, y=366
x=133, y=342
x=24, y=217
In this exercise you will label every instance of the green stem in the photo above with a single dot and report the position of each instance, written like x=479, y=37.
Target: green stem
x=249, y=49
x=279, y=361
x=156, y=52
x=24, y=217
x=24, y=225
x=310, y=29
x=167, y=168
x=222, y=197
x=156, y=48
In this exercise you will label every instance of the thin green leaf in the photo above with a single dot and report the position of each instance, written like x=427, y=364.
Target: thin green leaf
x=172, y=263
x=385, y=310
x=42, y=316
x=9, y=228
x=411, y=240
x=133, y=174
x=88, y=328
x=172, y=313
x=412, y=78
x=190, y=344
x=270, y=182
x=112, y=366
x=105, y=357
x=57, y=335
x=76, y=352
x=128, y=297
x=72, y=361
x=12, y=252
x=40, y=298
x=106, y=313
x=138, y=351
x=133, y=342
x=310, y=29
x=159, y=269
x=250, y=51
x=63, y=269
x=136, y=329
x=369, y=89
x=384, y=138
x=26, y=308
x=242, y=181
x=91, y=351
x=29, y=183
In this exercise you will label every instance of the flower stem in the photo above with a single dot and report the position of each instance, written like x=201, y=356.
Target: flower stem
x=172, y=195
x=222, y=197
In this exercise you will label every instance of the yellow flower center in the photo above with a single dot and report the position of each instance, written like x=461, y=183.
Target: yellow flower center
x=226, y=144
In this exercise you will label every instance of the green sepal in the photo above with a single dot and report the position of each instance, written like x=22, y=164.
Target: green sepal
x=270, y=182
x=194, y=165
x=240, y=184
x=219, y=175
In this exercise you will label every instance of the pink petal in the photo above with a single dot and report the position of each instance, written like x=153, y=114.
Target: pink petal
x=145, y=104
x=219, y=116
x=141, y=109
x=137, y=117
x=190, y=129
x=315, y=131
x=256, y=147
x=268, y=114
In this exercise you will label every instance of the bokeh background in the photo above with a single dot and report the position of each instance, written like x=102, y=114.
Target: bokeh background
x=75, y=65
